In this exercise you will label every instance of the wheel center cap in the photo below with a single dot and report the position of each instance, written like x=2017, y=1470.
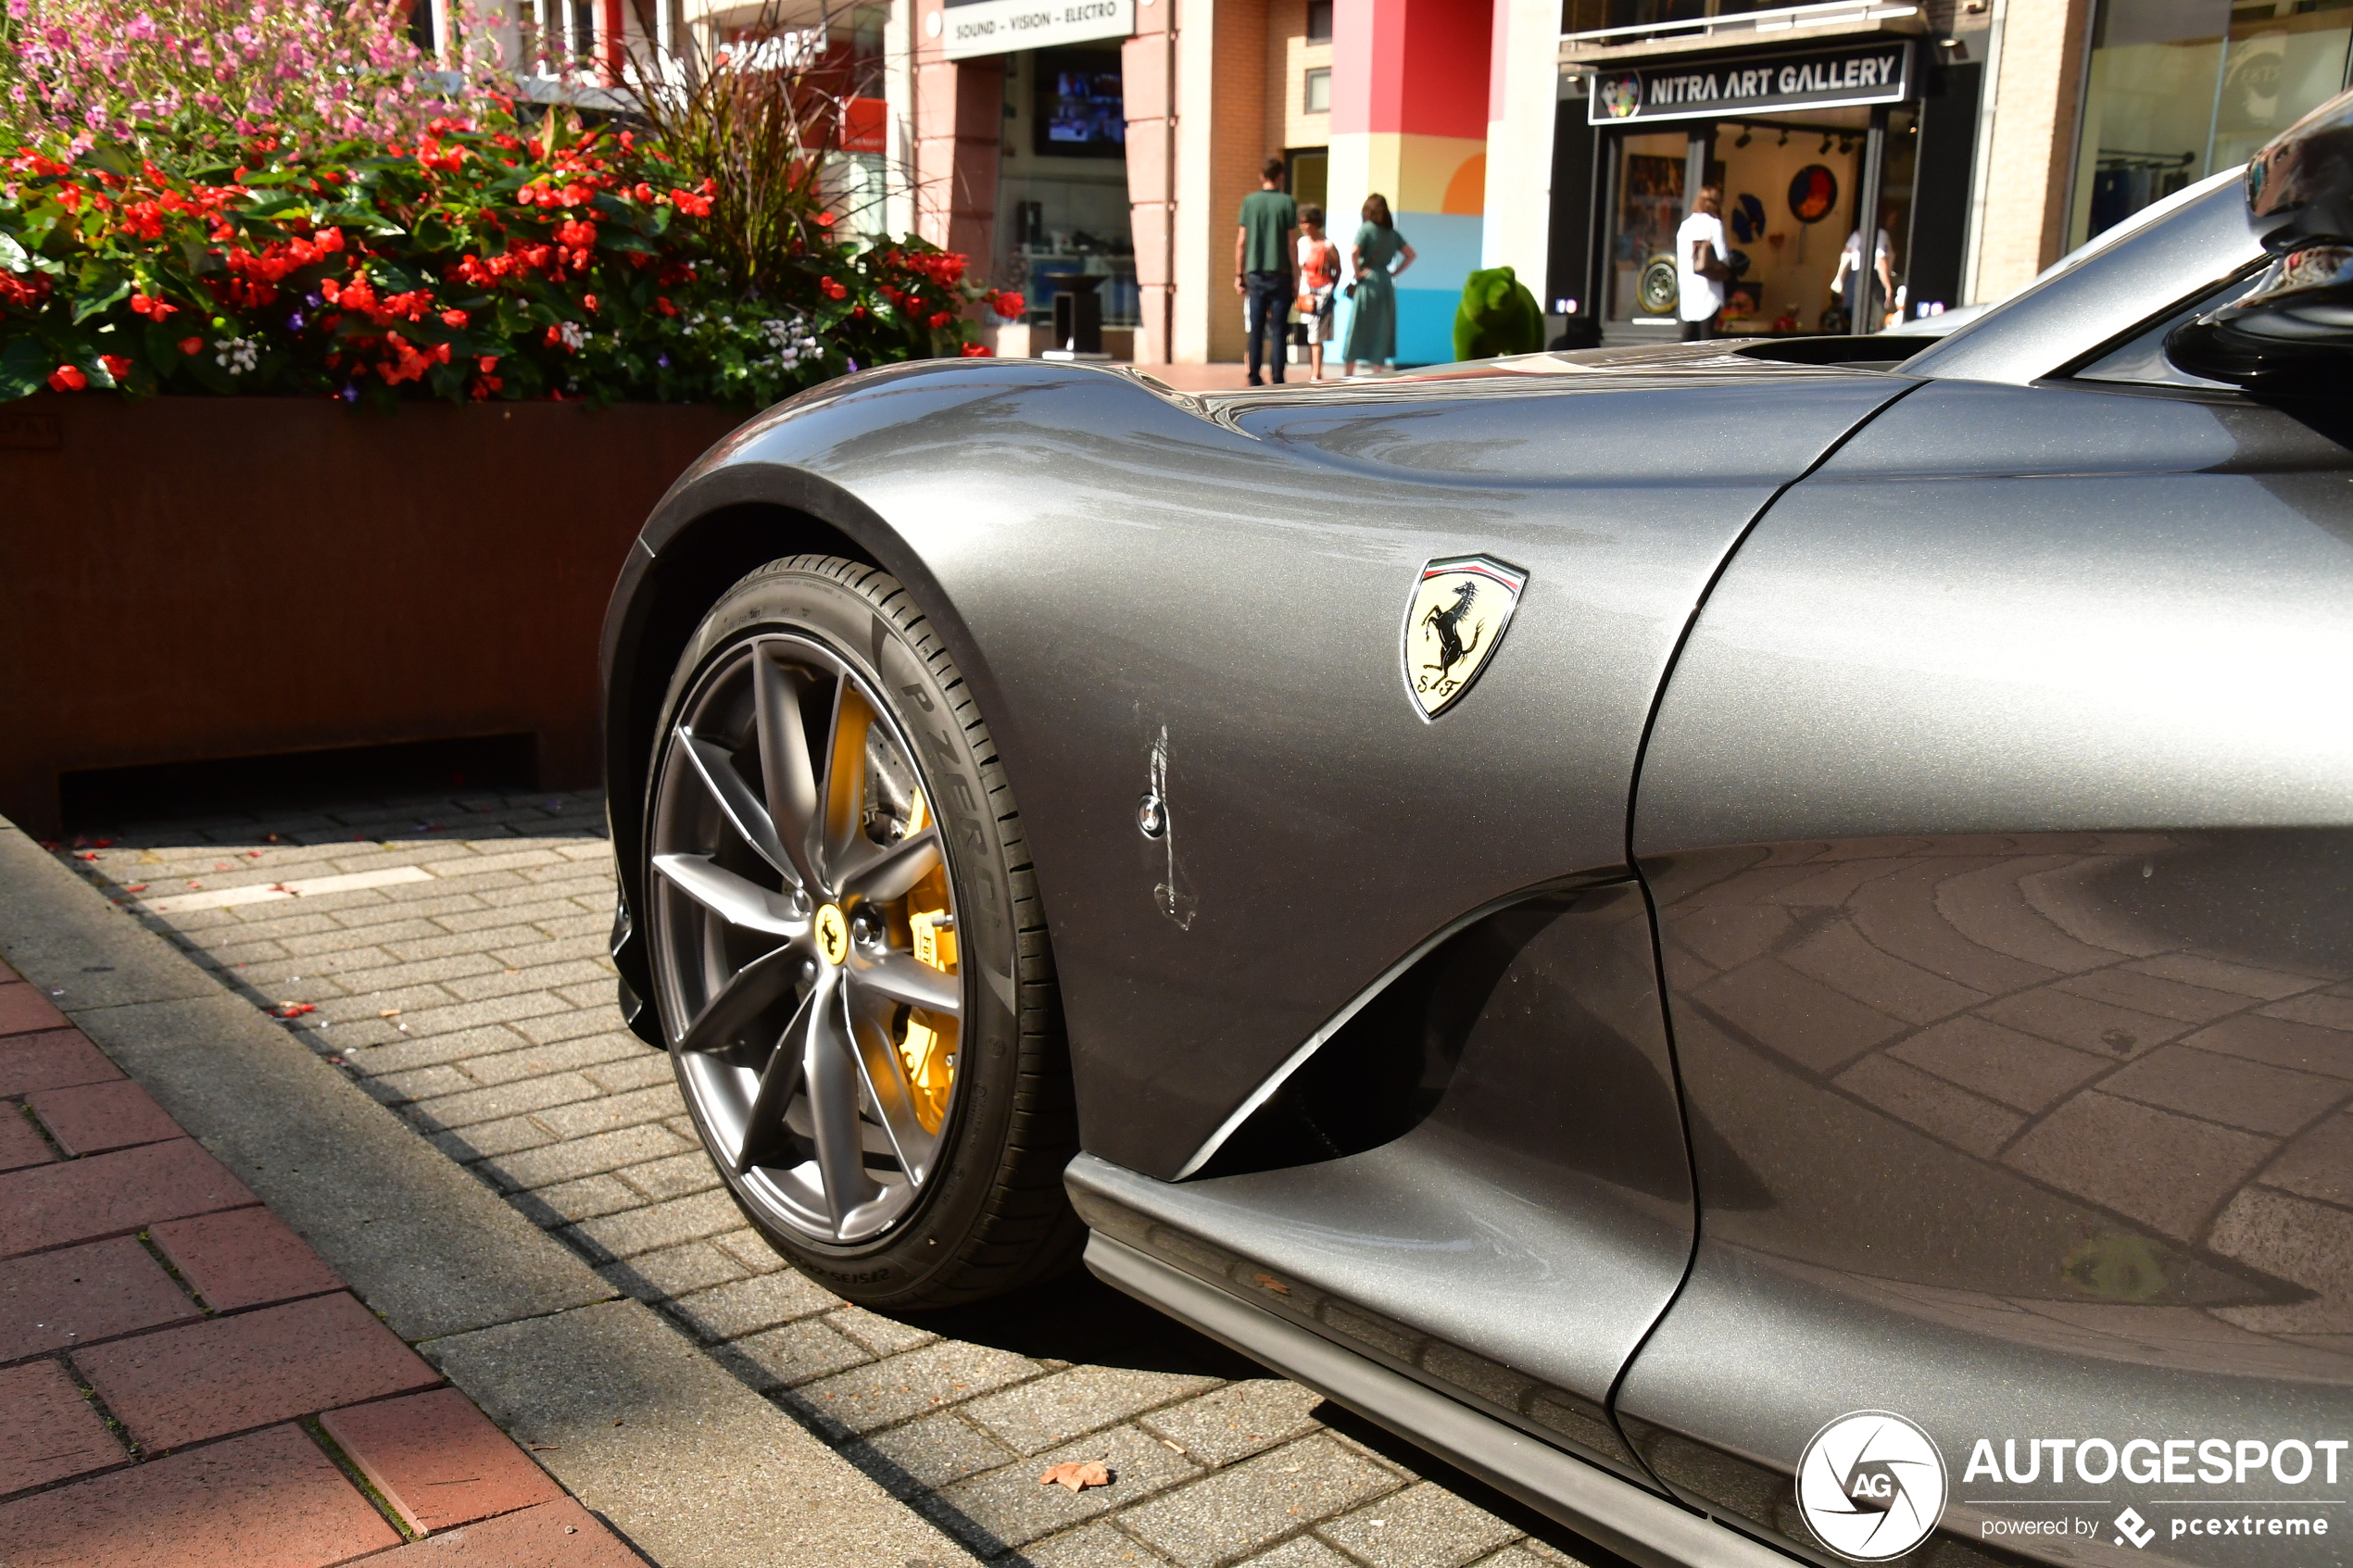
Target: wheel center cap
x=833, y=934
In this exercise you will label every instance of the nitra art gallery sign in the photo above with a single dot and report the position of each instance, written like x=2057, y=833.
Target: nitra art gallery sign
x=1813, y=78
x=997, y=27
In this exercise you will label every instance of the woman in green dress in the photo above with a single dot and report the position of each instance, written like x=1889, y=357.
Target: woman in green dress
x=1372, y=328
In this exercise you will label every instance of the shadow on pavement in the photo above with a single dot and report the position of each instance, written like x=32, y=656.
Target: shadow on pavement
x=1077, y=1318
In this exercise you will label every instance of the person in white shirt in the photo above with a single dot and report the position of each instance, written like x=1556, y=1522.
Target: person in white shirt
x=1847, y=282
x=1700, y=265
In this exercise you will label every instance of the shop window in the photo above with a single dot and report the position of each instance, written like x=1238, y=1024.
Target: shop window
x=1063, y=209
x=2181, y=89
x=1319, y=21
x=1318, y=98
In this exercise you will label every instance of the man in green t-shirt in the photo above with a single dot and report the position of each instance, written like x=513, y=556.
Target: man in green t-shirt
x=1263, y=248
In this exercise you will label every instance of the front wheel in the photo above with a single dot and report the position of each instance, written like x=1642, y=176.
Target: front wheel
x=850, y=961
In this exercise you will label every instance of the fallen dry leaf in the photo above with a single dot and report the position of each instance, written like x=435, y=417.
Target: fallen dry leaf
x=1077, y=1475
x=1268, y=1282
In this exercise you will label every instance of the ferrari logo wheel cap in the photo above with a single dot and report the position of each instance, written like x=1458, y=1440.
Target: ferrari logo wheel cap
x=833, y=934
x=1460, y=608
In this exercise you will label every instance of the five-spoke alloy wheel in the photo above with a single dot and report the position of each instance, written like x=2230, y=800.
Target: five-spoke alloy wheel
x=848, y=1035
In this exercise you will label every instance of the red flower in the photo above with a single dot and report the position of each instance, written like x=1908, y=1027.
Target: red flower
x=644, y=192
x=941, y=319
x=117, y=366
x=67, y=377
x=453, y=317
x=486, y=363
x=192, y=345
x=662, y=303
x=589, y=300
x=23, y=293
x=576, y=234
x=1008, y=305
x=977, y=351
x=824, y=220
x=832, y=288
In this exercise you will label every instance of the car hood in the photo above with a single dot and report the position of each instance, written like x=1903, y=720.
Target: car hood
x=1710, y=413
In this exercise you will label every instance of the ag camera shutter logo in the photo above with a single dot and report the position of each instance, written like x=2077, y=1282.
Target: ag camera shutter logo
x=1871, y=1485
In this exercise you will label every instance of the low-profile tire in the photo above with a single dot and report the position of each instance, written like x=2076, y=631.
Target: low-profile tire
x=850, y=961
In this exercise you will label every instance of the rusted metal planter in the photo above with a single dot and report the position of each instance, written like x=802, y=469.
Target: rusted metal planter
x=189, y=579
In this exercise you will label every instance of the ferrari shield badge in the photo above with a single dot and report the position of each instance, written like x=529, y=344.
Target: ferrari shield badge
x=1460, y=608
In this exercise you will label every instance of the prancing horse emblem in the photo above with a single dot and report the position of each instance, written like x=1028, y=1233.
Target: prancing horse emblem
x=1459, y=610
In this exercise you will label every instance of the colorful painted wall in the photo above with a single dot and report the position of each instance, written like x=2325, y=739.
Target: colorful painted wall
x=1410, y=104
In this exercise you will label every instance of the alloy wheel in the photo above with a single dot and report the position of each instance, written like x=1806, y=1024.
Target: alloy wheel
x=804, y=939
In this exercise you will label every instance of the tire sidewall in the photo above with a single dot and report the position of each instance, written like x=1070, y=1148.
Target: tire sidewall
x=866, y=618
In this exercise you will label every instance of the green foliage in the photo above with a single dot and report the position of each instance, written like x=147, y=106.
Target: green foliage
x=1497, y=316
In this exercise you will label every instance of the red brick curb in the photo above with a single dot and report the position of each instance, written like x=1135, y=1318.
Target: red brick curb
x=184, y=1382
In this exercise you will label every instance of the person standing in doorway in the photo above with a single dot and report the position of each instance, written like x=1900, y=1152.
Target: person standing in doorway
x=1318, y=283
x=1261, y=267
x=1700, y=268
x=1372, y=327
x=1847, y=282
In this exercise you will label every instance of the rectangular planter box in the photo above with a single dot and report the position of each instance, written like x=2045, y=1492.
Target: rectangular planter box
x=190, y=579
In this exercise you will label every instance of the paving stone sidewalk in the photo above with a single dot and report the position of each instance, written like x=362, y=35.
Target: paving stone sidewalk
x=184, y=1381
x=448, y=955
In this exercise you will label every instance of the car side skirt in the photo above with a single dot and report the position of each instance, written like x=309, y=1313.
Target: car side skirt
x=1636, y=1525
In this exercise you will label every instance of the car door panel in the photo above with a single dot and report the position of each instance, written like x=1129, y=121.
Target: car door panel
x=1999, y=817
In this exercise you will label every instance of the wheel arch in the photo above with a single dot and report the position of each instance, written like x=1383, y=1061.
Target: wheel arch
x=714, y=526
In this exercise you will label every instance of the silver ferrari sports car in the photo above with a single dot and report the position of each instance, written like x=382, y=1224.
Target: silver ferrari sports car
x=1750, y=941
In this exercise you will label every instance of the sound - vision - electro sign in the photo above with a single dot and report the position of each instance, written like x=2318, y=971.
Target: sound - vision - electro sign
x=1812, y=79
x=972, y=28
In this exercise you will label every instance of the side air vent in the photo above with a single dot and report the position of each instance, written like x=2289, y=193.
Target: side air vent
x=1536, y=1028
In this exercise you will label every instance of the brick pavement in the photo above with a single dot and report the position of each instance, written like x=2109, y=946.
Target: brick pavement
x=184, y=1381
x=448, y=955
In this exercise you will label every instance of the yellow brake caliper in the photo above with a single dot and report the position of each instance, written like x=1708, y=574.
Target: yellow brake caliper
x=929, y=1047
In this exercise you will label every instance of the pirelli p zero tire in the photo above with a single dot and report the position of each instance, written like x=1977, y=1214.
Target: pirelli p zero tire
x=849, y=962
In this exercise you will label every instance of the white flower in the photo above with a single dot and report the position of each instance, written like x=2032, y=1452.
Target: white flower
x=573, y=338
x=790, y=340
x=236, y=355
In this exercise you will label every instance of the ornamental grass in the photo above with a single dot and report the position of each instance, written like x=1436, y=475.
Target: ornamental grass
x=404, y=233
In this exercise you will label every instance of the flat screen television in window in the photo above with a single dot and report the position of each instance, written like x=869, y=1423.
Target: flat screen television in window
x=1081, y=112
